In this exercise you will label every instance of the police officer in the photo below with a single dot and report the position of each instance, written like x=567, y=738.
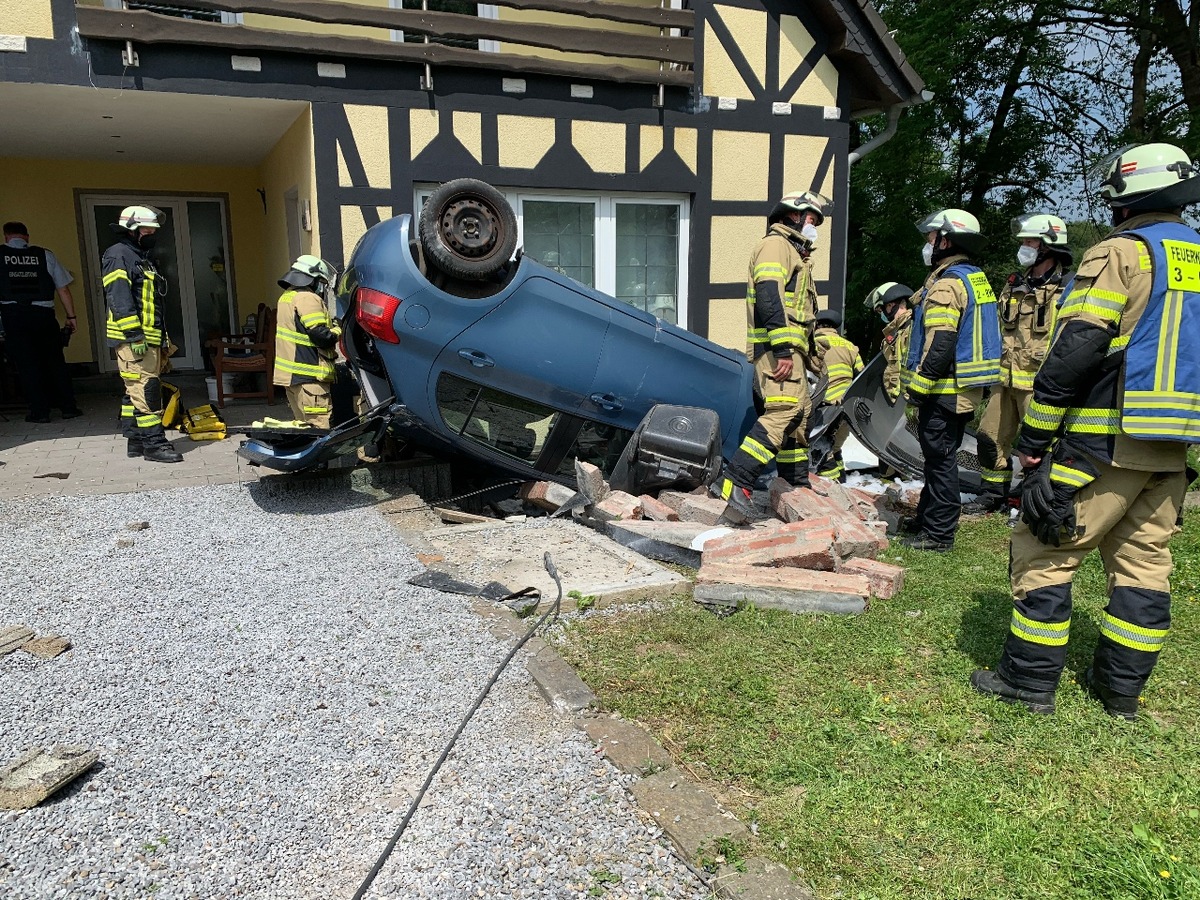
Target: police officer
x=953, y=354
x=134, y=294
x=781, y=303
x=1107, y=432
x=1027, y=308
x=842, y=364
x=30, y=276
x=306, y=339
x=891, y=301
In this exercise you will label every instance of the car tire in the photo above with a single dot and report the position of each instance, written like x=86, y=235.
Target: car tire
x=468, y=230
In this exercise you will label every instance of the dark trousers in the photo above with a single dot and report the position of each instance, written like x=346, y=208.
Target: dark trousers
x=940, y=431
x=34, y=343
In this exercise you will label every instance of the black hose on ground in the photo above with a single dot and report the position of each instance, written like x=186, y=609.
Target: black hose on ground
x=552, y=612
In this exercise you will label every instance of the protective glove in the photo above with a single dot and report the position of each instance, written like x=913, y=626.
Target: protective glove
x=1048, y=499
x=138, y=348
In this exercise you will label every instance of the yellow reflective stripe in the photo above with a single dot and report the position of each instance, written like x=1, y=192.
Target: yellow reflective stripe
x=925, y=385
x=787, y=335
x=839, y=370
x=294, y=337
x=1173, y=428
x=768, y=271
x=1043, y=416
x=131, y=376
x=753, y=448
x=835, y=394
x=1117, y=345
x=757, y=335
x=780, y=400
x=1107, y=305
x=1066, y=475
x=1050, y=634
x=148, y=305
x=1174, y=399
x=798, y=455
x=314, y=318
x=1022, y=381
x=116, y=275
x=127, y=411
x=1168, y=341
x=148, y=421
x=1084, y=420
x=942, y=317
x=973, y=366
x=316, y=410
x=994, y=476
x=299, y=368
x=1135, y=637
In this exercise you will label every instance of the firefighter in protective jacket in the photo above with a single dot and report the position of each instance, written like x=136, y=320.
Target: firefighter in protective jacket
x=134, y=294
x=1027, y=307
x=306, y=339
x=953, y=354
x=842, y=364
x=891, y=301
x=781, y=304
x=1105, y=441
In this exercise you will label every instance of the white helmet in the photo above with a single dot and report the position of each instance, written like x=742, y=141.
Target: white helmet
x=1050, y=230
x=134, y=217
x=802, y=201
x=1148, y=176
x=888, y=292
x=957, y=224
x=307, y=269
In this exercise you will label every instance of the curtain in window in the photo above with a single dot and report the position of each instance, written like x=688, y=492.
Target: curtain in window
x=648, y=257
x=562, y=235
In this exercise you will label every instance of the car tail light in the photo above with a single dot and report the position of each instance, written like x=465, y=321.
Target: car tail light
x=376, y=313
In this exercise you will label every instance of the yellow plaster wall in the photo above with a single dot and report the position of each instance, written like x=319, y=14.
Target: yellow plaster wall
x=685, y=146
x=741, y=160
x=31, y=18
x=41, y=194
x=733, y=238
x=727, y=322
x=748, y=27
x=423, y=125
x=354, y=226
x=820, y=87
x=523, y=140
x=601, y=144
x=468, y=128
x=289, y=165
x=369, y=131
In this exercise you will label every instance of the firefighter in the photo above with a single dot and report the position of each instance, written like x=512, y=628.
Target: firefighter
x=953, y=354
x=842, y=364
x=134, y=292
x=1105, y=441
x=891, y=301
x=306, y=339
x=1027, y=309
x=781, y=303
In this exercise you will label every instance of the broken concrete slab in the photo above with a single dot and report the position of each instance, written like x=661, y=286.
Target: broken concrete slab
x=556, y=681
x=35, y=775
x=587, y=561
x=14, y=637
x=47, y=647
x=724, y=598
x=760, y=879
x=690, y=815
x=674, y=542
x=629, y=747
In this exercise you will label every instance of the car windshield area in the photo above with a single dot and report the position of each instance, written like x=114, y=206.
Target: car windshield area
x=526, y=430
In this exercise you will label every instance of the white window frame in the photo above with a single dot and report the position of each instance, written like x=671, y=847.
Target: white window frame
x=604, y=253
x=483, y=10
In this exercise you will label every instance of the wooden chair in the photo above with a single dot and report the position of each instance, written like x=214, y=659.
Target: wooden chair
x=231, y=355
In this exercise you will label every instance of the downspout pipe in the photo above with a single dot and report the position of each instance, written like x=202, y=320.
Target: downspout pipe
x=889, y=132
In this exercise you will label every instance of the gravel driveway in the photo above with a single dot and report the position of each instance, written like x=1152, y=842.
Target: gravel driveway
x=266, y=694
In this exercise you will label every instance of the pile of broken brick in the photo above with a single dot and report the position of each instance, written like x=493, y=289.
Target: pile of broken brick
x=818, y=554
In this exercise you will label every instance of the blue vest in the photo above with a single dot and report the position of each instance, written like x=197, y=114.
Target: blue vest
x=1162, y=361
x=977, y=353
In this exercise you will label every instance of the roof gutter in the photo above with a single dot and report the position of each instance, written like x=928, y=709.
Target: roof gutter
x=893, y=114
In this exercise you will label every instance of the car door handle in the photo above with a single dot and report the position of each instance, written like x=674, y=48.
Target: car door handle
x=477, y=358
x=608, y=402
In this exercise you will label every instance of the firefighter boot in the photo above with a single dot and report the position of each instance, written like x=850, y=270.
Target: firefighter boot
x=739, y=500
x=133, y=447
x=988, y=682
x=1118, y=706
x=155, y=446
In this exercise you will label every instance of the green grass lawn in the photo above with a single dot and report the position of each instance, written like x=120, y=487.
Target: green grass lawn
x=872, y=769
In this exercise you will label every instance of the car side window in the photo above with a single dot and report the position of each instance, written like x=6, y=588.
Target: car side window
x=512, y=425
x=597, y=443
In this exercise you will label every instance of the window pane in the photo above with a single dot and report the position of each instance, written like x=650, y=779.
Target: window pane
x=601, y=445
x=510, y=424
x=462, y=7
x=648, y=257
x=562, y=236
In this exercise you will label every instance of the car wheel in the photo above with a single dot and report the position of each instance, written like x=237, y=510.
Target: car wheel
x=468, y=230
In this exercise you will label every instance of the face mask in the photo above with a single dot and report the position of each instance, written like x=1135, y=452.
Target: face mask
x=809, y=232
x=1026, y=256
x=147, y=241
x=927, y=255
x=883, y=317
